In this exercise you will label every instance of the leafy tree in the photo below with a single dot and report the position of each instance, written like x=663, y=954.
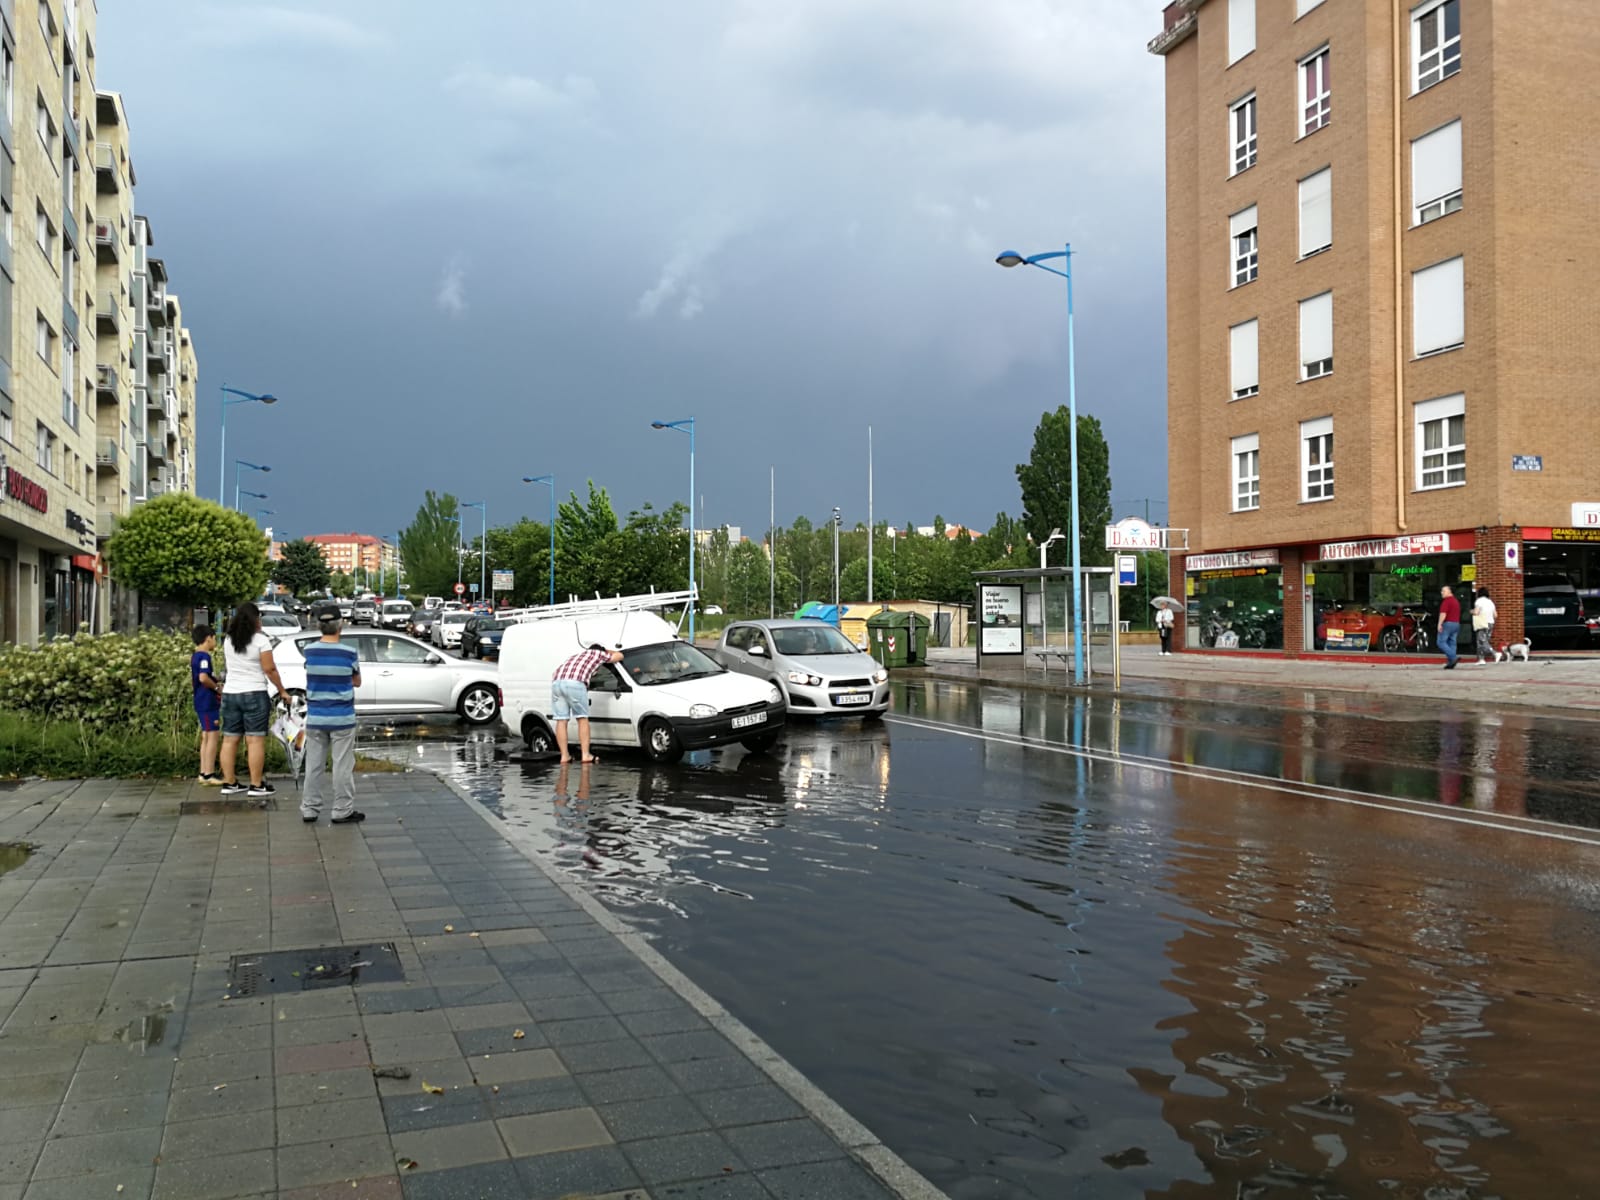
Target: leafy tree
x=428, y=545
x=748, y=582
x=1046, y=481
x=193, y=552
x=523, y=548
x=302, y=569
x=341, y=585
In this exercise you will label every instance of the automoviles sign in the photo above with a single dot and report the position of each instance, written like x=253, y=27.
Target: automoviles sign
x=1231, y=559
x=1416, y=543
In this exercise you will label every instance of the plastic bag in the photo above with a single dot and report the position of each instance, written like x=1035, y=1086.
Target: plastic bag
x=291, y=731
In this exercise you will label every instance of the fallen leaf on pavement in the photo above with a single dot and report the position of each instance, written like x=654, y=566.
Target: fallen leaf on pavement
x=391, y=1072
x=406, y=1164
x=449, y=928
x=431, y=1089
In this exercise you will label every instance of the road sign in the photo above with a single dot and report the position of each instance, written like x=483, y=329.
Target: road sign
x=474, y=589
x=1127, y=570
x=1513, y=555
x=503, y=581
x=461, y=588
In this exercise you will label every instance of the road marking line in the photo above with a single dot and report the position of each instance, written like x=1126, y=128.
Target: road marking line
x=1505, y=822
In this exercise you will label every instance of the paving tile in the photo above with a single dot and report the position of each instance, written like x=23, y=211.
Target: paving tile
x=508, y=1068
x=97, y=1152
x=221, y=1178
x=409, y=998
x=567, y=1008
x=16, y=1161
x=27, y=1091
x=379, y=1187
x=839, y=1180
x=320, y=1002
x=386, y=1026
x=583, y=1029
x=215, y=1136
x=685, y=1156
x=549, y=983
x=681, y=1047
x=318, y=1031
x=632, y=1120
x=335, y=1119
x=748, y=1105
x=512, y=937
x=781, y=1143
x=28, y=1124
x=549, y=1132
x=647, y=999
x=246, y=1096
x=605, y=1056
x=102, y=1116
x=134, y=1182
x=450, y=1146
x=682, y=1019
x=325, y=1087
x=600, y=1169
x=500, y=1040
x=464, y=1106
x=213, y=1069
x=449, y=1073
x=487, y=1016
x=296, y=1060
x=632, y=1083
x=483, y=1181
x=245, y=1035
x=463, y=994
x=723, y=1187
x=716, y=1074
x=329, y=1161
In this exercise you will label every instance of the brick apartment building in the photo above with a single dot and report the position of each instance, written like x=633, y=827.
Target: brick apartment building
x=1382, y=310
x=359, y=555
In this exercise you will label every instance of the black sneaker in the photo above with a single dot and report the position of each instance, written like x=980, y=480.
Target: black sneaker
x=350, y=820
x=234, y=789
x=262, y=789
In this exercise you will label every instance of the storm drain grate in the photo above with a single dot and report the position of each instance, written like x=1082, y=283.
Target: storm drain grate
x=319, y=967
x=223, y=808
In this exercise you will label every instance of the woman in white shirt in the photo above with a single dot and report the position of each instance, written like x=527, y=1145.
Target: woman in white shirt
x=1483, y=619
x=246, y=707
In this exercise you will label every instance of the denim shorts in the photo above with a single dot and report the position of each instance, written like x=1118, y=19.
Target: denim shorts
x=245, y=713
x=569, y=698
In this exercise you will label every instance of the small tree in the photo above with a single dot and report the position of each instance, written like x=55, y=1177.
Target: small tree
x=190, y=551
x=341, y=585
x=302, y=569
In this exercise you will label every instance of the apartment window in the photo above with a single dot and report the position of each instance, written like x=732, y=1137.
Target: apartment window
x=1316, y=459
x=69, y=391
x=47, y=128
x=1302, y=7
x=45, y=232
x=1436, y=173
x=1242, y=133
x=8, y=81
x=1442, y=442
x=44, y=447
x=44, y=340
x=1246, y=472
x=6, y=432
x=1316, y=212
x=1316, y=95
x=1436, y=42
x=1316, y=336
x=1244, y=359
x=1438, y=307
x=1242, y=236
x=1241, y=29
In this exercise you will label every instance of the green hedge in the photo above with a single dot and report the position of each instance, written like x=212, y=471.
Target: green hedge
x=31, y=745
x=127, y=683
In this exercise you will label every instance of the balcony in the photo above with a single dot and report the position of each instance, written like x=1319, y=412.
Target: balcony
x=107, y=246
x=156, y=488
x=108, y=312
x=106, y=456
x=105, y=518
x=156, y=449
x=156, y=305
x=106, y=384
x=169, y=406
x=107, y=176
x=155, y=357
x=149, y=398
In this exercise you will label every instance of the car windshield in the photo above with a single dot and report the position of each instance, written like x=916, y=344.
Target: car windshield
x=455, y=618
x=797, y=641
x=278, y=621
x=401, y=607
x=489, y=626
x=669, y=662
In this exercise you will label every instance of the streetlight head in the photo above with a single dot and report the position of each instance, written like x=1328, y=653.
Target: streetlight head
x=1056, y=532
x=658, y=424
x=269, y=398
x=1010, y=258
x=527, y=479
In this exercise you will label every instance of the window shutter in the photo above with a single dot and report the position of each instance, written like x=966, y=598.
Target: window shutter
x=1243, y=354
x=1436, y=165
x=1316, y=212
x=1438, y=306
x=1316, y=328
x=1241, y=28
x=1242, y=222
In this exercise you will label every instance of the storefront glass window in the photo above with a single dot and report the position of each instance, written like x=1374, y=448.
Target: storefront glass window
x=1388, y=604
x=1238, y=608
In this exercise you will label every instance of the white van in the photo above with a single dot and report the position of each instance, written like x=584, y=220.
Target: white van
x=665, y=696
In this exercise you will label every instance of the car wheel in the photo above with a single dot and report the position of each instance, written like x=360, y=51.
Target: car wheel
x=536, y=737
x=761, y=743
x=480, y=704
x=659, y=742
x=1391, y=640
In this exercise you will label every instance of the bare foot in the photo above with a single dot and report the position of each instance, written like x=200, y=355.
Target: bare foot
x=591, y=759
x=564, y=760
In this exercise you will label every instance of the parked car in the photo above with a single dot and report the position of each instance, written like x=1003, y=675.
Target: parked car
x=665, y=696
x=432, y=601
x=1553, y=614
x=273, y=624
x=347, y=610
x=480, y=637
x=447, y=629
x=400, y=676
x=420, y=623
x=820, y=671
x=364, y=612
x=394, y=614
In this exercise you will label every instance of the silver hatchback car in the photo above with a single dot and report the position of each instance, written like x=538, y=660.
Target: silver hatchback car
x=401, y=676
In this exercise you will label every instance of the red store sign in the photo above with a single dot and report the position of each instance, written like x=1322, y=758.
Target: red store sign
x=22, y=489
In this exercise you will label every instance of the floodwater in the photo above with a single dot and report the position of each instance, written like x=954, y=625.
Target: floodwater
x=1153, y=969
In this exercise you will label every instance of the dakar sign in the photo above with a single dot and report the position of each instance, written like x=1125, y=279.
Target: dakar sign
x=1131, y=533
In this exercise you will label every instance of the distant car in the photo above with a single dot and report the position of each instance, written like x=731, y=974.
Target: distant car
x=275, y=624
x=420, y=623
x=267, y=606
x=346, y=609
x=395, y=614
x=1552, y=613
x=400, y=676
x=447, y=629
x=432, y=601
x=480, y=637
x=713, y=610
x=364, y=612
x=819, y=671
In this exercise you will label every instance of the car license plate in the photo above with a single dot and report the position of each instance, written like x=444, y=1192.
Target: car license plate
x=748, y=719
x=1551, y=612
x=853, y=698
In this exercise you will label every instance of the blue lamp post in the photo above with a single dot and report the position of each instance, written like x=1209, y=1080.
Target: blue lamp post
x=255, y=495
x=222, y=460
x=1011, y=258
x=237, y=464
x=483, y=546
x=686, y=426
x=550, y=482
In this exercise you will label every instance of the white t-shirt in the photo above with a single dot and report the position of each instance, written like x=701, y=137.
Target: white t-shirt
x=244, y=670
x=1484, y=610
x=1164, y=618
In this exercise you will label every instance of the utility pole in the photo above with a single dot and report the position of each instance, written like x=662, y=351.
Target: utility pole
x=872, y=530
x=836, y=521
x=772, y=542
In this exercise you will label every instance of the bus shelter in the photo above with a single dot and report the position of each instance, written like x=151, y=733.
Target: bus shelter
x=1024, y=619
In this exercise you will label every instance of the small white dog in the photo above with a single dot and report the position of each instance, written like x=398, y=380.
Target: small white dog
x=1514, y=650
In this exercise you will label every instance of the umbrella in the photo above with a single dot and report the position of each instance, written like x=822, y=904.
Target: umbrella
x=1160, y=600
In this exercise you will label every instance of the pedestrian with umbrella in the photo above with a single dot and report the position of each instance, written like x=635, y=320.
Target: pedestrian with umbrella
x=1166, y=610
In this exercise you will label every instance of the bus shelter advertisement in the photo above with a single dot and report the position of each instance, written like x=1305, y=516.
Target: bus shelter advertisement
x=1000, y=605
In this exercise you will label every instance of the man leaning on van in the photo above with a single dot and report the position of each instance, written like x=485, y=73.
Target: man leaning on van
x=569, y=695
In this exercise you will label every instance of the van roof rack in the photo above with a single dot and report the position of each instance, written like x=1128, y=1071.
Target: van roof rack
x=601, y=605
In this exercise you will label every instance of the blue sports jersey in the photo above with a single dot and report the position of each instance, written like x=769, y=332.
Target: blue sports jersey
x=331, y=668
x=204, y=698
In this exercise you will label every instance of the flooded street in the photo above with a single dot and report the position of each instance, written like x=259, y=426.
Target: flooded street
x=1048, y=947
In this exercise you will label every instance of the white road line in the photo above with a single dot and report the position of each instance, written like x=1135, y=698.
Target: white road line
x=1507, y=823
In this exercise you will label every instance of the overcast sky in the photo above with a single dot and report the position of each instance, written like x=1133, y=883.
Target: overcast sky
x=467, y=243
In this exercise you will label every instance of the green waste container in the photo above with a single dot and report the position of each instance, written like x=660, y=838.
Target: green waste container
x=898, y=639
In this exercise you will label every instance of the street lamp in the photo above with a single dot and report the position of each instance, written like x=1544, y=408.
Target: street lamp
x=255, y=495
x=1055, y=536
x=837, y=519
x=222, y=461
x=483, y=545
x=237, y=464
x=550, y=482
x=686, y=425
x=1010, y=258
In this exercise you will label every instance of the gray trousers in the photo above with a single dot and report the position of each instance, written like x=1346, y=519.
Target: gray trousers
x=342, y=743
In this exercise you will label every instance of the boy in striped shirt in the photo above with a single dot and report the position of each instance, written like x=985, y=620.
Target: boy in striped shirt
x=333, y=673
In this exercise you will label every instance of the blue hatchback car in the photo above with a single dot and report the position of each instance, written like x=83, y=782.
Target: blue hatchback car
x=480, y=637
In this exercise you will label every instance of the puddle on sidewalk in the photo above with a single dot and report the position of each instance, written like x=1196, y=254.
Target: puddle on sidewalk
x=14, y=854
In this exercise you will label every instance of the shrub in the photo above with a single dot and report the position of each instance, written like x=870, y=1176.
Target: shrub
x=132, y=683
x=31, y=745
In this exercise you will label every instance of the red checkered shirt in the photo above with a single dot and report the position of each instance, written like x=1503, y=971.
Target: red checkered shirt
x=582, y=666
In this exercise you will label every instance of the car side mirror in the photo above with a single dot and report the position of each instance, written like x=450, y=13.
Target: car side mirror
x=757, y=651
x=433, y=660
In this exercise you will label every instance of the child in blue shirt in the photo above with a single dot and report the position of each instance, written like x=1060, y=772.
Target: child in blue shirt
x=207, y=702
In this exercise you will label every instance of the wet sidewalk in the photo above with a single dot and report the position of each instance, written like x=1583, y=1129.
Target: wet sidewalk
x=458, y=1024
x=1570, y=683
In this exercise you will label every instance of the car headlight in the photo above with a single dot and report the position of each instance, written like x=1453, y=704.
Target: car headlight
x=880, y=675
x=701, y=711
x=802, y=677
x=774, y=696
x=486, y=641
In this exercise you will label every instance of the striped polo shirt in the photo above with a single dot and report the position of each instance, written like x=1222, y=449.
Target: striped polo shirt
x=331, y=668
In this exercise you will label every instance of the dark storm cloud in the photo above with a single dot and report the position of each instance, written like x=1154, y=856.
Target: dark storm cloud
x=470, y=248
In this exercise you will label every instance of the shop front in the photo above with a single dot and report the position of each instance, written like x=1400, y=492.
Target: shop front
x=1563, y=583
x=1383, y=593
x=1234, y=601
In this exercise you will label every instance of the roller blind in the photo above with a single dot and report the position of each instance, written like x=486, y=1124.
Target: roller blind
x=1242, y=222
x=1241, y=28
x=1316, y=212
x=1436, y=165
x=1243, y=355
x=1438, y=314
x=1316, y=328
